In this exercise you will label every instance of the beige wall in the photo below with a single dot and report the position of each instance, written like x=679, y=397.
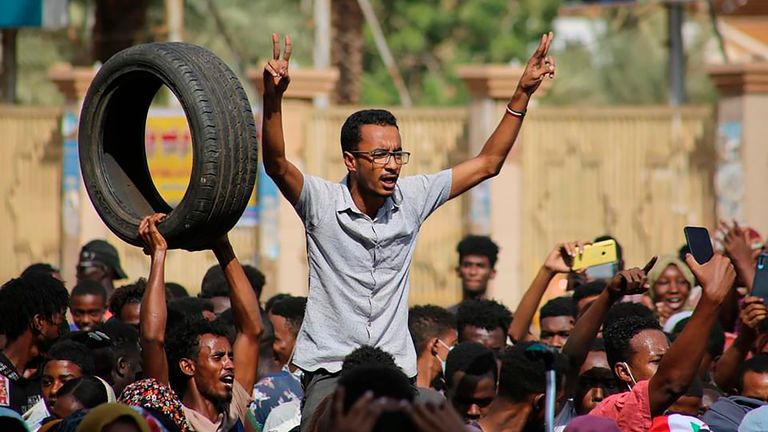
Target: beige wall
x=30, y=188
x=640, y=174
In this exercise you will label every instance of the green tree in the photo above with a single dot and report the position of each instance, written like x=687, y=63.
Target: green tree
x=628, y=64
x=430, y=38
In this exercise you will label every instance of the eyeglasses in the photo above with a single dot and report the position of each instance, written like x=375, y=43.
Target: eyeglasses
x=381, y=157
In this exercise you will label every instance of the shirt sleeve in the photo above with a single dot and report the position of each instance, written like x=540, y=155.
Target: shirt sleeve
x=315, y=197
x=427, y=192
x=631, y=410
x=238, y=408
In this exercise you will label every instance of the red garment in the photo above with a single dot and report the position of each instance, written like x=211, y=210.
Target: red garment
x=631, y=410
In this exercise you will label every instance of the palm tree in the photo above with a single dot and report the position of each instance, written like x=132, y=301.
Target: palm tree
x=118, y=25
x=347, y=22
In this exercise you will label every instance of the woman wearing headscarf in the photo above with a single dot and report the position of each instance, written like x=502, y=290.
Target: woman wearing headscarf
x=671, y=282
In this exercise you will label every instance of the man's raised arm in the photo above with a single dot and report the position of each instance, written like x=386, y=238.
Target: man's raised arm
x=488, y=163
x=247, y=314
x=276, y=79
x=680, y=364
x=153, y=314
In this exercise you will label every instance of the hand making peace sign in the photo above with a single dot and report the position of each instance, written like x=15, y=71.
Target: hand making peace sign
x=276, y=78
x=538, y=67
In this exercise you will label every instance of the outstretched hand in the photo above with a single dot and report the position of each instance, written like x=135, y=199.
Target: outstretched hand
x=753, y=312
x=154, y=242
x=539, y=66
x=560, y=259
x=716, y=276
x=632, y=281
x=362, y=415
x=276, y=78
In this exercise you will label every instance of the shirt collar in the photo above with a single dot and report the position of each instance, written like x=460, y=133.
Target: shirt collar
x=345, y=202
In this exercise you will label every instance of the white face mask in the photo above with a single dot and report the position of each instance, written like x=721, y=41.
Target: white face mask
x=442, y=362
x=631, y=376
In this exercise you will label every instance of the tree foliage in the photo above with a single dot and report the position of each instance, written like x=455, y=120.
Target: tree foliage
x=430, y=38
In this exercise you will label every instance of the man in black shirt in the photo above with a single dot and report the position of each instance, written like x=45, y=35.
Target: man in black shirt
x=32, y=310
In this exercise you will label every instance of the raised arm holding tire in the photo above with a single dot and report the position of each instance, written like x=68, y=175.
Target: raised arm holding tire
x=197, y=359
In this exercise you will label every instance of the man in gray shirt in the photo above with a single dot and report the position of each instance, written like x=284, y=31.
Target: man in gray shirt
x=361, y=232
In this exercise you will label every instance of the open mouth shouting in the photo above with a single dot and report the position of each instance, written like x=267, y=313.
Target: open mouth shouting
x=228, y=380
x=388, y=181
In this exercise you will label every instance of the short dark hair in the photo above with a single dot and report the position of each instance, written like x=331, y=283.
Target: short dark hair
x=367, y=355
x=428, y=321
x=29, y=295
x=119, y=332
x=350, y=130
x=619, y=332
x=589, y=289
x=382, y=382
x=75, y=352
x=757, y=364
x=127, y=294
x=87, y=390
x=560, y=306
x=256, y=278
x=274, y=299
x=625, y=309
x=598, y=344
x=486, y=314
x=176, y=290
x=478, y=245
x=40, y=268
x=522, y=373
x=292, y=309
x=215, y=283
x=183, y=341
x=471, y=358
x=190, y=306
x=89, y=287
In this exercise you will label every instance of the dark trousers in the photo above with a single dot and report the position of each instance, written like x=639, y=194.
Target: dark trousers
x=317, y=386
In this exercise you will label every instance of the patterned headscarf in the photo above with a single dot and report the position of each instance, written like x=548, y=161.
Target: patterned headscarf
x=150, y=393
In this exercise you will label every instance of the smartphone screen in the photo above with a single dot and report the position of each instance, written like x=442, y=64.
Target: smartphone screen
x=760, y=283
x=603, y=271
x=699, y=243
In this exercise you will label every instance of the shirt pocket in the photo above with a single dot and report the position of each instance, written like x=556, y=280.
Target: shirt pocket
x=392, y=253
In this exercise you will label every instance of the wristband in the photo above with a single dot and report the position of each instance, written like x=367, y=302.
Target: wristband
x=514, y=113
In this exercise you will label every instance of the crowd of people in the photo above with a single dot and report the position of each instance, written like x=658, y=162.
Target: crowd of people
x=672, y=345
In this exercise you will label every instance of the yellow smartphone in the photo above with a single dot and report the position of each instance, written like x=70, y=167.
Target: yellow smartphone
x=599, y=253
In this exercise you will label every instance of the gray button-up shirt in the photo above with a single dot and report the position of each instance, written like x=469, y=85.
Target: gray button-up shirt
x=359, y=269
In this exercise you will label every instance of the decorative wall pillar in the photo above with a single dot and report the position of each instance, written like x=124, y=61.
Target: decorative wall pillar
x=285, y=264
x=77, y=220
x=742, y=172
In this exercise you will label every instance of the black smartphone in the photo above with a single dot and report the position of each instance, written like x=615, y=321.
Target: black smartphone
x=760, y=283
x=699, y=243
